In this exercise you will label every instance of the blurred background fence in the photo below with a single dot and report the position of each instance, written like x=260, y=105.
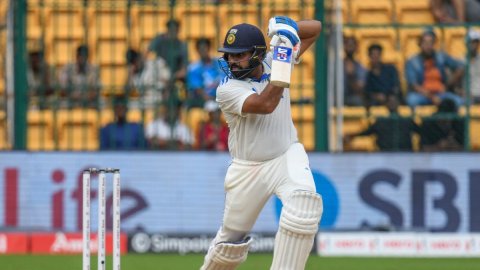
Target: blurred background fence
x=64, y=110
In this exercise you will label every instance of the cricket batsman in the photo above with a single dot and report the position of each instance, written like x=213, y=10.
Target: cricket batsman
x=267, y=157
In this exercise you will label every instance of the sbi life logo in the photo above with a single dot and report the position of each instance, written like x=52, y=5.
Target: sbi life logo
x=331, y=203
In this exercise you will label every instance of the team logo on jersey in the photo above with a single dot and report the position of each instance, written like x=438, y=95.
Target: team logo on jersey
x=231, y=38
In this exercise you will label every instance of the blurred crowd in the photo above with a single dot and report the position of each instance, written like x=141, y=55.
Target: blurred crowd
x=432, y=77
x=161, y=79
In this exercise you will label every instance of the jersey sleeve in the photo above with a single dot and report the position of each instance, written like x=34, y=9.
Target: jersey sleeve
x=231, y=96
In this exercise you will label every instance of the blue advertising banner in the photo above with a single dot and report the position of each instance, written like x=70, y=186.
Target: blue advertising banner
x=182, y=192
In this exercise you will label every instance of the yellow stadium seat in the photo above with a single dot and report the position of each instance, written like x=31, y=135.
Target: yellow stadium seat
x=378, y=111
x=455, y=41
x=136, y=115
x=295, y=11
x=386, y=37
x=62, y=51
x=363, y=144
x=413, y=12
x=302, y=91
x=111, y=52
x=475, y=127
x=306, y=134
x=196, y=21
x=64, y=23
x=113, y=78
x=148, y=22
x=303, y=112
x=3, y=132
x=40, y=131
x=371, y=11
x=193, y=117
x=425, y=110
x=34, y=23
x=109, y=23
x=409, y=38
x=234, y=14
x=78, y=129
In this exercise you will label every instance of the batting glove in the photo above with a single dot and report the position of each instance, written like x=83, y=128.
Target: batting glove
x=281, y=23
x=285, y=41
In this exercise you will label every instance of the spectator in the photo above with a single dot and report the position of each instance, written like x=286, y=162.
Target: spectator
x=455, y=11
x=382, y=79
x=169, y=47
x=354, y=74
x=203, y=76
x=80, y=81
x=474, y=65
x=213, y=134
x=147, y=76
x=167, y=131
x=427, y=74
x=41, y=79
x=393, y=133
x=444, y=130
x=121, y=134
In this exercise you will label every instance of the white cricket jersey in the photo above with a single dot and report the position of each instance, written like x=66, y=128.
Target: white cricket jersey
x=255, y=137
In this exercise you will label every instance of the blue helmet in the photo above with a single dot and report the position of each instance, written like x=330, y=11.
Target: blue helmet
x=243, y=38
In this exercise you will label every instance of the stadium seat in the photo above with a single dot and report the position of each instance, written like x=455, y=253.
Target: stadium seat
x=136, y=115
x=40, y=131
x=193, y=117
x=475, y=127
x=3, y=132
x=196, y=21
x=296, y=11
x=113, y=78
x=233, y=14
x=65, y=23
x=62, y=51
x=455, y=41
x=78, y=129
x=2, y=84
x=109, y=23
x=425, y=110
x=147, y=22
x=111, y=52
x=306, y=134
x=34, y=23
x=384, y=36
x=371, y=11
x=302, y=91
x=409, y=40
x=413, y=12
x=303, y=112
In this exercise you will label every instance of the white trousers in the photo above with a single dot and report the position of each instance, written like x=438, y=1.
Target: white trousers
x=249, y=185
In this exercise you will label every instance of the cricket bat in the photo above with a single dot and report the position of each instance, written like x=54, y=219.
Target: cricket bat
x=281, y=66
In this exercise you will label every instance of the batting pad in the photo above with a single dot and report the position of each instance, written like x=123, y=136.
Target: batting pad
x=226, y=255
x=298, y=226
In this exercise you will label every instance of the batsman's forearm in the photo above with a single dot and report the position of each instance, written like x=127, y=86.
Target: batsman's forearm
x=265, y=102
x=270, y=97
x=309, y=29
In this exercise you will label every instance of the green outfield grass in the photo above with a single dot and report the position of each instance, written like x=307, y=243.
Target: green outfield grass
x=254, y=262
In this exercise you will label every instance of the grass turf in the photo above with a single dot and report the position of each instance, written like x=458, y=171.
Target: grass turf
x=254, y=262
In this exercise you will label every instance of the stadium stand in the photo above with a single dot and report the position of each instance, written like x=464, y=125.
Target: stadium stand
x=372, y=11
x=413, y=12
x=40, y=132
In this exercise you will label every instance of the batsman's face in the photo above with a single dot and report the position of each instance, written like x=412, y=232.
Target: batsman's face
x=238, y=61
